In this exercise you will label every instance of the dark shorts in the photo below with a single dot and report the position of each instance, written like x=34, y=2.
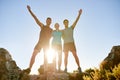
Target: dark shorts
x=40, y=45
x=57, y=47
x=69, y=47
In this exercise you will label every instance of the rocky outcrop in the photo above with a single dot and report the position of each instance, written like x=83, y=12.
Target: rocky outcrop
x=9, y=69
x=113, y=59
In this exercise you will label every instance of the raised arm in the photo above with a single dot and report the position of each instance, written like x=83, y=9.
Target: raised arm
x=75, y=22
x=33, y=15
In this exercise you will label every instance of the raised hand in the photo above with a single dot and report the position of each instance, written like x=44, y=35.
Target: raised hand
x=28, y=7
x=80, y=11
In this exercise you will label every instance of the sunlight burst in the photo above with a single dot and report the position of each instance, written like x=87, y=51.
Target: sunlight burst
x=50, y=55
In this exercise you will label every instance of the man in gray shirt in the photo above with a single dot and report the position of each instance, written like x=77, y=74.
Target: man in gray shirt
x=69, y=44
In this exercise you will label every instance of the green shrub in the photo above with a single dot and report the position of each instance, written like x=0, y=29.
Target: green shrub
x=116, y=72
x=96, y=74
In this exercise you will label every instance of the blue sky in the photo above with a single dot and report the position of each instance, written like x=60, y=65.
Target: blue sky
x=96, y=32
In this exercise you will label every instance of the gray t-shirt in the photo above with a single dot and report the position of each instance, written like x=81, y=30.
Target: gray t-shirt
x=68, y=35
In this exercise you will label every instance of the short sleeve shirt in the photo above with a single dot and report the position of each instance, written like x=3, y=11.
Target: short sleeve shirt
x=56, y=37
x=68, y=35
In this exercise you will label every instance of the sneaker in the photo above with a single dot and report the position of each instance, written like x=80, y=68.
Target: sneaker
x=79, y=69
x=65, y=70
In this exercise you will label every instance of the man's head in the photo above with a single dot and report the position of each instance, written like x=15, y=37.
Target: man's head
x=48, y=21
x=66, y=22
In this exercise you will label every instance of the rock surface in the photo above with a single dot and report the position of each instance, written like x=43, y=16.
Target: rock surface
x=113, y=59
x=9, y=69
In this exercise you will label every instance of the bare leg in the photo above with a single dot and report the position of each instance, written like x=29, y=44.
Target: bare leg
x=54, y=61
x=45, y=60
x=76, y=58
x=65, y=60
x=59, y=60
x=33, y=58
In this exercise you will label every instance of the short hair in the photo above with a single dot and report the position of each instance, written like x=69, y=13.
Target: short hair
x=56, y=24
x=48, y=18
x=65, y=21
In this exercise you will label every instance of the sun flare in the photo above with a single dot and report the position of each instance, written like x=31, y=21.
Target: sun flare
x=50, y=55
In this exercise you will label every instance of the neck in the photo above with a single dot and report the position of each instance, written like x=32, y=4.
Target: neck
x=47, y=25
x=66, y=27
x=57, y=29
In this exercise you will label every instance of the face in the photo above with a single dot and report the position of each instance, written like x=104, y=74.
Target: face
x=48, y=21
x=66, y=22
x=56, y=26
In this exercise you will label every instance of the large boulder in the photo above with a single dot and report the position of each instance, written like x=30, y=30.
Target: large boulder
x=9, y=69
x=50, y=68
x=112, y=60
